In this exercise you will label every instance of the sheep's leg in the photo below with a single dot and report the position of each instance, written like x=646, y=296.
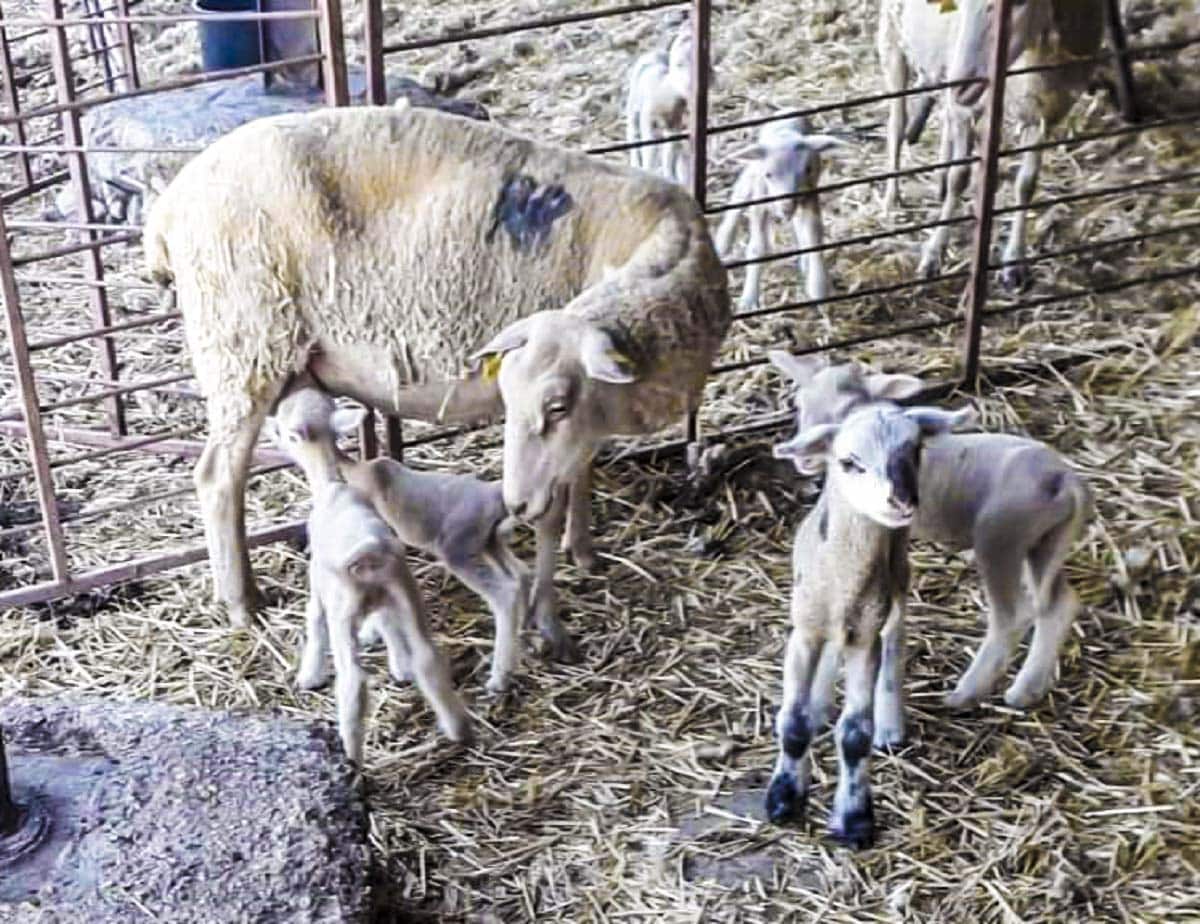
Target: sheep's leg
x=502, y=592
x=820, y=708
x=430, y=670
x=631, y=131
x=577, y=537
x=852, y=820
x=945, y=152
x=549, y=531
x=889, y=686
x=895, y=78
x=1017, y=274
x=1055, y=606
x=646, y=133
x=723, y=239
x=683, y=165
x=389, y=627
x=806, y=224
x=757, y=246
x=351, y=686
x=788, y=791
x=999, y=560
x=312, y=674
x=220, y=477
x=958, y=123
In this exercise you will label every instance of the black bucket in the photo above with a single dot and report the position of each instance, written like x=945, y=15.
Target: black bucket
x=225, y=45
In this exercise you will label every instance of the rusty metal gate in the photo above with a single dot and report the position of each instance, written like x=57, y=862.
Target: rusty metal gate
x=75, y=302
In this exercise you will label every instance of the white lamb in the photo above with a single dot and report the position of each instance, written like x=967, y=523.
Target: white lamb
x=372, y=245
x=660, y=85
x=357, y=573
x=785, y=162
x=1015, y=501
x=849, y=593
x=458, y=519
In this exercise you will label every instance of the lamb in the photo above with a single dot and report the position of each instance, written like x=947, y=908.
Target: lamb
x=786, y=161
x=458, y=519
x=1013, y=500
x=1042, y=32
x=849, y=590
x=660, y=84
x=357, y=572
x=370, y=246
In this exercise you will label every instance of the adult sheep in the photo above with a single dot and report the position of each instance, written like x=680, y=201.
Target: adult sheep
x=378, y=248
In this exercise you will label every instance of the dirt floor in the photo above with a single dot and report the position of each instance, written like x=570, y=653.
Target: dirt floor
x=628, y=787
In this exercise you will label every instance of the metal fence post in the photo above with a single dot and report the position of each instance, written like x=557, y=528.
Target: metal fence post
x=14, y=103
x=64, y=79
x=985, y=194
x=334, y=47
x=1126, y=97
x=698, y=133
x=373, y=52
x=30, y=411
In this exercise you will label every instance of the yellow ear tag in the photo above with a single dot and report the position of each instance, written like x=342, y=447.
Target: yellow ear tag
x=624, y=363
x=491, y=366
x=947, y=6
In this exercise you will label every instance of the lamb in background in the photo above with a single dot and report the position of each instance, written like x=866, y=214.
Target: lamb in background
x=956, y=45
x=458, y=519
x=357, y=571
x=786, y=161
x=660, y=86
x=1016, y=502
x=849, y=593
x=368, y=244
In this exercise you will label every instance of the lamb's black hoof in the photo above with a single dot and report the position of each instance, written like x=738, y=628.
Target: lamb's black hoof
x=785, y=802
x=855, y=829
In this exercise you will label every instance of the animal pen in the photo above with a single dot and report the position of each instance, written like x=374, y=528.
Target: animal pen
x=99, y=424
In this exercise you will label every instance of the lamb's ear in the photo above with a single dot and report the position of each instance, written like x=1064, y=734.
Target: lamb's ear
x=486, y=360
x=800, y=369
x=603, y=361
x=751, y=152
x=814, y=441
x=823, y=142
x=887, y=387
x=933, y=420
x=346, y=420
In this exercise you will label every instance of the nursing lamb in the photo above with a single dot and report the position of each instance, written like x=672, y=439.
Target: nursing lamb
x=378, y=247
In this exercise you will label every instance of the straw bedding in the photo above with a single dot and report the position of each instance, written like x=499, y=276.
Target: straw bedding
x=627, y=787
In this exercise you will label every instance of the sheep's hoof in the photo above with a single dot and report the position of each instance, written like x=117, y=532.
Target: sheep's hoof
x=498, y=685
x=929, y=267
x=748, y=304
x=961, y=700
x=888, y=739
x=1025, y=695
x=855, y=828
x=785, y=801
x=1015, y=277
x=312, y=680
x=584, y=558
x=460, y=730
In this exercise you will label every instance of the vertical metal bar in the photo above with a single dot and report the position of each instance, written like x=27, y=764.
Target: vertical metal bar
x=10, y=93
x=10, y=815
x=373, y=50
x=99, y=41
x=985, y=194
x=128, y=50
x=698, y=131
x=333, y=66
x=368, y=441
x=64, y=80
x=261, y=7
x=1126, y=95
x=393, y=437
x=29, y=410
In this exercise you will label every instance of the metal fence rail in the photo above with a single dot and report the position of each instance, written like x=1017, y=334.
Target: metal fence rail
x=95, y=60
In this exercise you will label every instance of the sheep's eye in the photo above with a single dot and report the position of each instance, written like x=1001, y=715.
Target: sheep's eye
x=851, y=466
x=556, y=410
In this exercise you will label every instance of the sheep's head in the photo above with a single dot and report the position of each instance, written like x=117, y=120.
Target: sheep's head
x=827, y=394
x=872, y=457
x=306, y=425
x=559, y=378
x=791, y=163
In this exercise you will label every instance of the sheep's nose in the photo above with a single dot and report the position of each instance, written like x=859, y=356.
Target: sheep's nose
x=518, y=509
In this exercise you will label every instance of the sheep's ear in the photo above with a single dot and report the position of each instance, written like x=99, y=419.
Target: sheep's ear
x=751, y=152
x=485, y=362
x=823, y=142
x=346, y=420
x=603, y=361
x=800, y=369
x=933, y=420
x=804, y=445
x=881, y=385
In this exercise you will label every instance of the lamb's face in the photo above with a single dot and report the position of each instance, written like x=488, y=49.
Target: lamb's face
x=557, y=375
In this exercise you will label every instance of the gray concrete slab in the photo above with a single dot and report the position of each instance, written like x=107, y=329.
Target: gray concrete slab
x=181, y=815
